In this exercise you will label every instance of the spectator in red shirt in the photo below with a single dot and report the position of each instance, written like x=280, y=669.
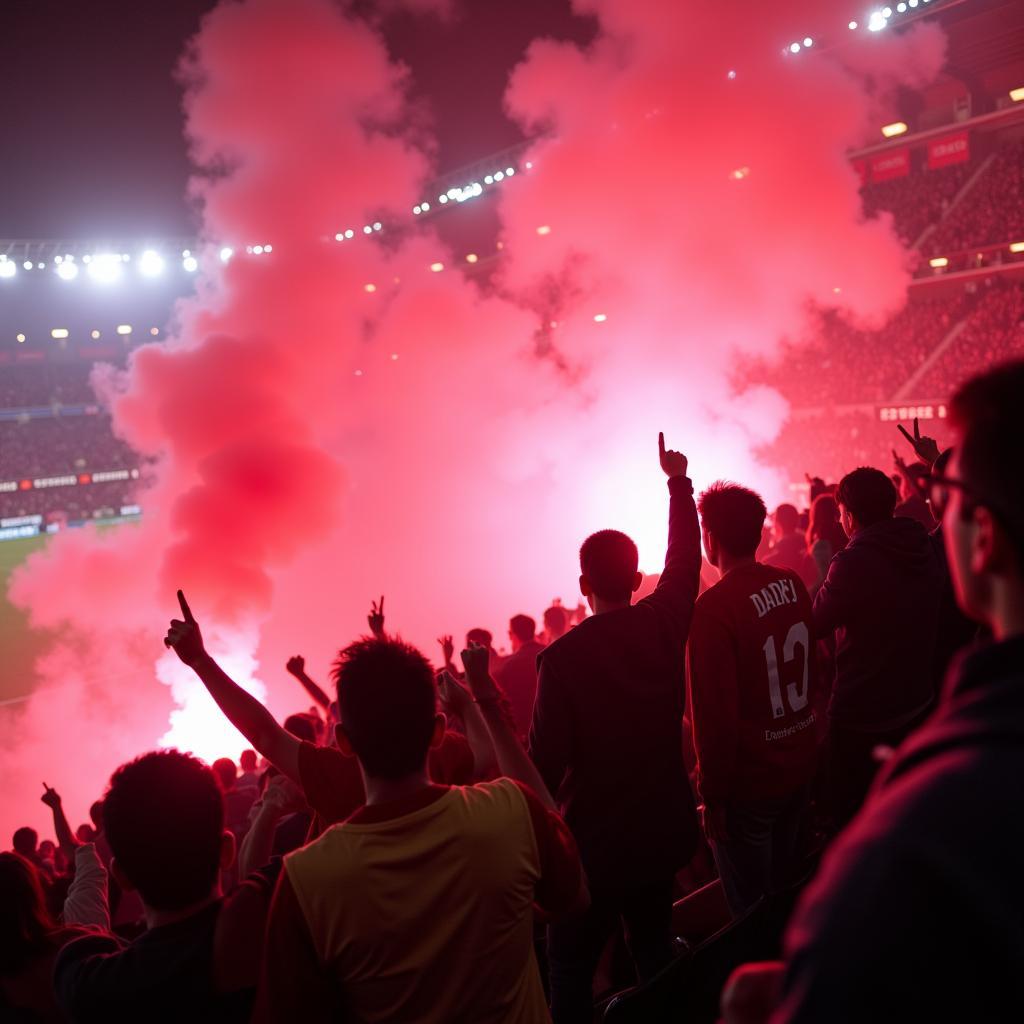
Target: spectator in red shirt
x=750, y=661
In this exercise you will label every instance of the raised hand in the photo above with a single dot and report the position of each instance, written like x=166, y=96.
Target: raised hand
x=296, y=665
x=926, y=448
x=454, y=696
x=447, y=648
x=50, y=797
x=184, y=637
x=673, y=463
x=476, y=662
x=376, y=618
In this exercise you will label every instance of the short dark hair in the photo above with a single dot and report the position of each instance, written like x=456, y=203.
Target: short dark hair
x=479, y=636
x=226, y=771
x=247, y=760
x=787, y=517
x=301, y=727
x=164, y=819
x=388, y=702
x=25, y=840
x=609, y=560
x=523, y=627
x=556, y=619
x=734, y=516
x=868, y=495
x=985, y=412
x=96, y=814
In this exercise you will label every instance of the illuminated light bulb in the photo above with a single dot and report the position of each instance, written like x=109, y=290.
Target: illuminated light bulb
x=367, y=230
x=437, y=267
x=191, y=264
x=808, y=42
x=488, y=179
x=7, y=268
x=529, y=165
x=416, y=210
x=60, y=333
x=67, y=271
x=85, y=259
x=154, y=331
x=257, y=250
x=226, y=253
x=913, y=3
x=105, y=268
x=938, y=261
x=349, y=233
x=124, y=329
x=424, y=207
x=248, y=249
x=544, y=229
x=901, y=8
x=499, y=175
x=27, y=264
x=852, y=25
x=377, y=225
x=268, y=248
x=896, y=128
x=876, y=22
x=599, y=318
x=731, y=75
x=186, y=252
x=471, y=257
x=21, y=339
x=886, y=12
x=442, y=199
x=509, y=171
x=94, y=335
x=151, y=263
x=369, y=288
x=794, y=47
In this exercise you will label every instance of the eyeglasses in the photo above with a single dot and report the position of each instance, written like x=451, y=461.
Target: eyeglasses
x=937, y=486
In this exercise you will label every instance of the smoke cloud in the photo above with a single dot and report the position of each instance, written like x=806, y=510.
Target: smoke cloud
x=330, y=421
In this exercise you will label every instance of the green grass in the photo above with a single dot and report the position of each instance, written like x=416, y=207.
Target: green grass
x=19, y=644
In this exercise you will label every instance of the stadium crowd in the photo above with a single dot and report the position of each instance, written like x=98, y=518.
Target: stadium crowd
x=802, y=748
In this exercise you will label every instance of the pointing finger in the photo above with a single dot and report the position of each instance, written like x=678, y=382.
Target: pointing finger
x=185, y=610
x=661, y=442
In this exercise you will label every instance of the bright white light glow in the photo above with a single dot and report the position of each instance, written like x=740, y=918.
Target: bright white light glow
x=67, y=271
x=529, y=165
x=257, y=250
x=268, y=248
x=1017, y=94
x=896, y=128
x=901, y=8
x=226, y=253
x=424, y=207
x=509, y=171
x=499, y=175
x=876, y=22
x=21, y=339
x=151, y=264
x=350, y=233
x=471, y=257
x=27, y=264
x=599, y=318
x=94, y=335
x=367, y=230
x=886, y=12
x=808, y=41
x=60, y=333
x=369, y=288
x=437, y=267
x=794, y=47
x=416, y=210
x=731, y=75
x=442, y=199
x=488, y=179
x=938, y=261
x=191, y=264
x=7, y=268
x=544, y=229
x=124, y=328
x=377, y=225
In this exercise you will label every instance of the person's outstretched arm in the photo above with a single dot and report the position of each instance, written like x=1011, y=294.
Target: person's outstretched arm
x=677, y=589
x=241, y=709
x=457, y=700
x=65, y=837
x=296, y=667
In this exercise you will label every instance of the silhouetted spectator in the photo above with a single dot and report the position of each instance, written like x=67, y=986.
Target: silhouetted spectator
x=517, y=674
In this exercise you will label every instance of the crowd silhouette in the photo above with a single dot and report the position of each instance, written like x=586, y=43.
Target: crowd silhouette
x=784, y=784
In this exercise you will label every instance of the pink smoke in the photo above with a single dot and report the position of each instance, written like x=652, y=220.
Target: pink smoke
x=317, y=441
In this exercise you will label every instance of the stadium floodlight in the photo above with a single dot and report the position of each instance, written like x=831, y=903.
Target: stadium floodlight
x=59, y=333
x=599, y=318
x=151, y=264
x=154, y=331
x=27, y=264
x=226, y=253
x=509, y=171
x=731, y=75
x=20, y=339
x=887, y=12
x=437, y=267
x=377, y=225
x=488, y=179
x=124, y=329
x=912, y=3
x=894, y=129
x=370, y=288
x=471, y=257
x=498, y=175
x=424, y=207
x=7, y=267
x=1017, y=94
x=808, y=42
x=442, y=199
x=67, y=271
x=877, y=21
x=367, y=230
x=901, y=8
x=794, y=47
x=340, y=236
x=94, y=335
x=852, y=25
x=105, y=268
x=529, y=165
x=417, y=210
x=190, y=264
x=268, y=248
x=349, y=233
x=257, y=250
x=1017, y=247
x=938, y=261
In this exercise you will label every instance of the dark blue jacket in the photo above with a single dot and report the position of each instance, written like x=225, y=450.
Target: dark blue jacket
x=917, y=911
x=881, y=596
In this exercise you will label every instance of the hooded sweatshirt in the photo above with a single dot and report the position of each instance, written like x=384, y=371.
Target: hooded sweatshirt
x=881, y=597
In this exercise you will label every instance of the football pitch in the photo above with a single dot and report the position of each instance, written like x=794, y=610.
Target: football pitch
x=19, y=645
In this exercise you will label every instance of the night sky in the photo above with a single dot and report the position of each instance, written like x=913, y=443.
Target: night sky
x=90, y=112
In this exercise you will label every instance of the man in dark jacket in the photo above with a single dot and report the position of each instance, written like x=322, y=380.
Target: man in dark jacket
x=916, y=912
x=881, y=597
x=607, y=738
